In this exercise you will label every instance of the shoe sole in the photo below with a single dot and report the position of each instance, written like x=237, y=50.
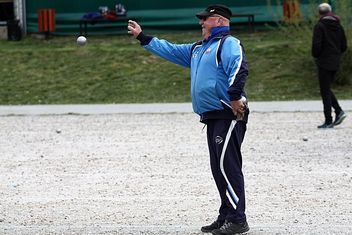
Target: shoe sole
x=338, y=122
x=327, y=127
x=245, y=231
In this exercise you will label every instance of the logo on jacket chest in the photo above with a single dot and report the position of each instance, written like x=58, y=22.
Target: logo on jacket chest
x=207, y=51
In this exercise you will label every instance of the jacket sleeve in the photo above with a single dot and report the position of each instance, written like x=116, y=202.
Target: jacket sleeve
x=317, y=41
x=235, y=66
x=176, y=53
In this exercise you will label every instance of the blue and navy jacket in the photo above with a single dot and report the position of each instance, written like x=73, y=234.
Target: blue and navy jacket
x=211, y=80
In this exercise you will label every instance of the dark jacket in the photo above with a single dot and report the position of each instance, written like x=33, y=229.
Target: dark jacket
x=329, y=42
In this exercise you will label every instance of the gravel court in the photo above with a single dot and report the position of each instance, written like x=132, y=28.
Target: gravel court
x=150, y=174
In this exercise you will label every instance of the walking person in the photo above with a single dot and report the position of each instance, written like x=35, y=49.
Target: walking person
x=218, y=69
x=328, y=44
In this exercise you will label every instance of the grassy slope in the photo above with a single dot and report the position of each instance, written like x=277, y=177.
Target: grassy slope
x=117, y=70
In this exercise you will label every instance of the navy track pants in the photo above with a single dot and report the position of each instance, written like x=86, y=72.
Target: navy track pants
x=224, y=141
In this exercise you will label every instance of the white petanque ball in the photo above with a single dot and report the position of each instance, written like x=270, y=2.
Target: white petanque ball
x=81, y=40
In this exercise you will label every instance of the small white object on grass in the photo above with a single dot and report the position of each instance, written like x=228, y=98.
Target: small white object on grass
x=81, y=40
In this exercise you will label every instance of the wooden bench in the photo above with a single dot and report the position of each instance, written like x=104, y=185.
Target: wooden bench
x=83, y=23
x=104, y=23
x=250, y=19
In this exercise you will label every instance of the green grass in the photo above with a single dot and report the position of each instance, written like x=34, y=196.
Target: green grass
x=115, y=69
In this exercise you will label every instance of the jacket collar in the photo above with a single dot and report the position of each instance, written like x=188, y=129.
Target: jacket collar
x=218, y=32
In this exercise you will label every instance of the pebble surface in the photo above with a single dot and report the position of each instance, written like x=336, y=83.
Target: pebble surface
x=150, y=174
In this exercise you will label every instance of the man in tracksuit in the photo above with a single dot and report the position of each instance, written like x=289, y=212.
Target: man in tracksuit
x=217, y=80
x=329, y=42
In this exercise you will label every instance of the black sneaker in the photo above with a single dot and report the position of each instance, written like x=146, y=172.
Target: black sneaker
x=326, y=125
x=339, y=118
x=209, y=228
x=230, y=228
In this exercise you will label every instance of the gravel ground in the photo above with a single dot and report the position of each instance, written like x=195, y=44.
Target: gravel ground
x=150, y=174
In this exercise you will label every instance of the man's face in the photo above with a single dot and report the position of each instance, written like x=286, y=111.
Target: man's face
x=208, y=23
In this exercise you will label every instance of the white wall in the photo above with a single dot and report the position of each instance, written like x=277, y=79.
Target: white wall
x=20, y=13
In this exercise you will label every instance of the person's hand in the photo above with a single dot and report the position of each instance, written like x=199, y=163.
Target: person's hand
x=134, y=28
x=239, y=107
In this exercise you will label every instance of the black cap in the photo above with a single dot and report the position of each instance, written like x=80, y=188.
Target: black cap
x=216, y=9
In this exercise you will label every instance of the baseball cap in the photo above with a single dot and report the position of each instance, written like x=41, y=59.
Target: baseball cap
x=217, y=9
